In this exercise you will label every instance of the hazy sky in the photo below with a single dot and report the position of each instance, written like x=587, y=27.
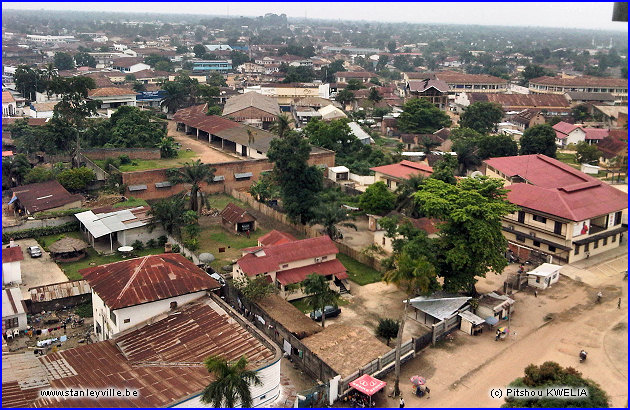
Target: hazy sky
x=574, y=15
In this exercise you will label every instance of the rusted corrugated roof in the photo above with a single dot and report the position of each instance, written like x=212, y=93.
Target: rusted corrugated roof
x=163, y=361
x=235, y=214
x=44, y=195
x=13, y=254
x=59, y=290
x=147, y=279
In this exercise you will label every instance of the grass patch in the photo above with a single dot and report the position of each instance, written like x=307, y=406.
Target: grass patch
x=71, y=269
x=131, y=201
x=220, y=201
x=359, y=273
x=567, y=158
x=145, y=164
x=213, y=237
x=44, y=241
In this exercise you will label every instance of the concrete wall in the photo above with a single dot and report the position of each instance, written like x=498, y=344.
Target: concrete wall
x=126, y=238
x=43, y=223
x=11, y=273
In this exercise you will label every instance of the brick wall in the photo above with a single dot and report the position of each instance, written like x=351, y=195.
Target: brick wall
x=251, y=113
x=132, y=153
x=225, y=169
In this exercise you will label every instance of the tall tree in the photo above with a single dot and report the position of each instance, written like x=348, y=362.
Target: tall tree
x=232, y=384
x=374, y=95
x=444, y=169
x=492, y=146
x=84, y=60
x=539, y=139
x=427, y=144
x=193, y=174
x=180, y=93
x=471, y=241
x=63, y=61
x=29, y=81
x=587, y=153
x=552, y=375
x=420, y=116
x=532, y=71
x=281, y=125
x=345, y=97
x=404, y=196
x=482, y=117
x=169, y=213
x=387, y=329
x=300, y=184
x=330, y=215
x=199, y=50
x=14, y=169
x=320, y=294
x=377, y=199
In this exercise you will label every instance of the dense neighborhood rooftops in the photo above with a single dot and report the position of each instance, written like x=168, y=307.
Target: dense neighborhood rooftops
x=355, y=74
x=147, y=279
x=270, y=258
x=163, y=361
x=584, y=81
x=12, y=254
x=404, y=169
x=251, y=100
x=44, y=195
x=512, y=101
x=453, y=77
x=289, y=316
x=557, y=189
x=127, y=62
x=110, y=92
x=235, y=214
x=421, y=85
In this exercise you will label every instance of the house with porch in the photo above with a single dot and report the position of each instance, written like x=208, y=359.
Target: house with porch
x=43, y=196
x=286, y=265
x=131, y=292
x=113, y=97
x=253, y=109
x=564, y=214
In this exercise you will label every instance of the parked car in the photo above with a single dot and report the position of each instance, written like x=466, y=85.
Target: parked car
x=330, y=311
x=34, y=251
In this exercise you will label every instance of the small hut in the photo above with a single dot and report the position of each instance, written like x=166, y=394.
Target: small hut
x=237, y=219
x=68, y=249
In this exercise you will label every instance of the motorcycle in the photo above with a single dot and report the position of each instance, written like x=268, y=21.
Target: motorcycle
x=583, y=355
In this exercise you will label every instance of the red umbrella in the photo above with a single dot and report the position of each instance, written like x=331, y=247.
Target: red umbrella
x=418, y=381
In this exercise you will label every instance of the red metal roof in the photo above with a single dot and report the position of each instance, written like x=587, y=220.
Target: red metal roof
x=584, y=81
x=44, y=195
x=595, y=133
x=147, y=279
x=275, y=237
x=297, y=275
x=163, y=361
x=539, y=170
x=13, y=254
x=565, y=127
x=404, y=169
x=235, y=214
x=196, y=117
x=271, y=257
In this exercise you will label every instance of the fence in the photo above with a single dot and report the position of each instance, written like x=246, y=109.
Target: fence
x=445, y=327
x=40, y=223
x=183, y=250
x=101, y=174
x=132, y=153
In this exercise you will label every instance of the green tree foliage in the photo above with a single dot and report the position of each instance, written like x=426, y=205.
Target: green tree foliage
x=539, y=139
x=199, y=50
x=354, y=84
x=330, y=215
x=179, y=93
x=492, y=146
x=131, y=127
x=84, y=60
x=76, y=179
x=328, y=72
x=444, y=169
x=471, y=242
x=587, y=153
x=374, y=95
x=465, y=145
x=74, y=107
x=387, y=329
x=320, y=294
x=482, y=117
x=14, y=169
x=238, y=58
x=402, y=63
x=391, y=46
x=231, y=385
x=299, y=183
x=265, y=189
x=377, y=199
x=38, y=174
x=345, y=97
x=181, y=49
x=158, y=62
x=301, y=74
x=169, y=213
x=167, y=147
x=193, y=174
x=28, y=81
x=404, y=196
x=552, y=375
x=281, y=126
x=532, y=71
x=63, y=61
x=139, y=86
x=255, y=289
x=580, y=113
x=420, y=116
x=216, y=80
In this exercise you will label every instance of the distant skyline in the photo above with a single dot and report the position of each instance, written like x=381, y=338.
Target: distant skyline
x=533, y=14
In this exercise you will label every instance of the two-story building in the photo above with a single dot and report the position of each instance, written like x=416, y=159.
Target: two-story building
x=618, y=87
x=436, y=91
x=132, y=292
x=563, y=214
x=361, y=76
x=212, y=66
x=287, y=264
x=113, y=97
x=462, y=82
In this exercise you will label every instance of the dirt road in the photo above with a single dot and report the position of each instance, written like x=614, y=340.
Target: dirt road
x=38, y=271
x=461, y=373
x=207, y=154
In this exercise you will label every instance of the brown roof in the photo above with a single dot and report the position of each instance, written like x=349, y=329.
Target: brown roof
x=455, y=77
x=234, y=214
x=147, y=279
x=163, y=361
x=276, y=237
x=289, y=316
x=7, y=97
x=584, y=81
x=355, y=74
x=251, y=99
x=31, y=121
x=516, y=101
x=127, y=61
x=150, y=74
x=611, y=147
x=66, y=245
x=345, y=348
x=61, y=290
x=110, y=92
x=44, y=195
x=101, y=79
x=13, y=254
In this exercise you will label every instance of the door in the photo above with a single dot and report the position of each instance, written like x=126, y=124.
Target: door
x=557, y=228
x=521, y=216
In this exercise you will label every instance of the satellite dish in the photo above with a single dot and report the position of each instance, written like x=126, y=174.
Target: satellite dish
x=476, y=174
x=206, y=258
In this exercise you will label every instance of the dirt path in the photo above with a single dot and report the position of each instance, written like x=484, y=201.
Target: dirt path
x=207, y=154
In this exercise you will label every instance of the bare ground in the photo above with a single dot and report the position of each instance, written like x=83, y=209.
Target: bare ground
x=207, y=154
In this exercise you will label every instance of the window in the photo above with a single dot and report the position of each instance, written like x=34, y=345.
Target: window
x=173, y=305
x=537, y=279
x=586, y=245
x=126, y=320
x=520, y=238
x=614, y=238
x=540, y=219
x=617, y=218
x=11, y=323
x=112, y=316
x=577, y=250
x=521, y=216
x=324, y=258
x=596, y=244
x=557, y=227
x=537, y=244
x=286, y=265
x=383, y=241
x=604, y=241
x=552, y=248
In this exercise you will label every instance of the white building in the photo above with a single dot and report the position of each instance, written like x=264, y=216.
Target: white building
x=11, y=268
x=113, y=97
x=544, y=276
x=9, y=104
x=131, y=292
x=13, y=311
x=42, y=109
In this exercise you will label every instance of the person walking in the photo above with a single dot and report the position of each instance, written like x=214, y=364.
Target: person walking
x=619, y=304
x=535, y=293
x=402, y=403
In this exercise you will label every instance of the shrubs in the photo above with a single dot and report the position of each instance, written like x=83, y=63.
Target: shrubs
x=57, y=214
x=176, y=248
x=76, y=179
x=124, y=159
x=191, y=244
x=161, y=240
x=36, y=232
x=151, y=243
x=137, y=245
x=38, y=174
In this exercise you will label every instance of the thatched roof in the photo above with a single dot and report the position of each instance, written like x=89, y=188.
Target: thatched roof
x=66, y=245
x=289, y=316
x=346, y=348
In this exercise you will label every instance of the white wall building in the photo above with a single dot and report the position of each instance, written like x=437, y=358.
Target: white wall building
x=13, y=310
x=11, y=265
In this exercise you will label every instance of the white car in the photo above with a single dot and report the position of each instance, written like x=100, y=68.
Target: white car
x=34, y=251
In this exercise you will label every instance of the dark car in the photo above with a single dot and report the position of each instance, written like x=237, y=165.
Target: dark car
x=331, y=311
x=34, y=251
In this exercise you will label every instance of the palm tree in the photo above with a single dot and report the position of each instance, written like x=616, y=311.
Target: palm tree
x=232, y=383
x=169, y=213
x=404, y=196
x=167, y=147
x=250, y=137
x=281, y=125
x=331, y=214
x=320, y=294
x=193, y=173
x=413, y=275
